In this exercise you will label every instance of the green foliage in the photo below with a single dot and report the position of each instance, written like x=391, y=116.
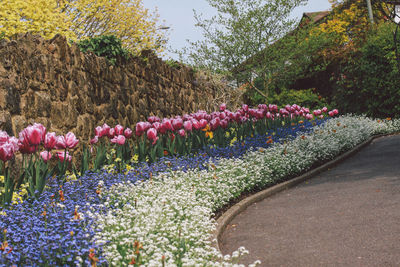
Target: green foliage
x=172, y=63
x=305, y=98
x=368, y=82
x=107, y=46
x=2, y=35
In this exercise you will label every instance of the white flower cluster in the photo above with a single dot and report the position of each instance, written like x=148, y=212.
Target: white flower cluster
x=167, y=221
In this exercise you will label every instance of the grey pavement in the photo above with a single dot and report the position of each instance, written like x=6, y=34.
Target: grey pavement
x=346, y=216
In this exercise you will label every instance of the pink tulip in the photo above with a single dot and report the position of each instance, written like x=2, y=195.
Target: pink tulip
x=119, y=129
x=167, y=124
x=182, y=132
x=324, y=109
x=105, y=131
x=309, y=117
x=94, y=140
x=152, y=135
x=196, y=124
x=259, y=114
x=98, y=130
x=6, y=152
x=273, y=108
x=128, y=133
x=61, y=143
x=188, y=126
x=335, y=111
x=139, y=130
x=33, y=135
x=42, y=130
x=177, y=123
x=50, y=140
x=222, y=115
x=3, y=137
x=203, y=123
x=214, y=124
x=153, y=119
x=70, y=140
x=157, y=126
x=64, y=155
x=46, y=155
x=245, y=107
x=222, y=107
x=14, y=142
x=24, y=146
x=317, y=112
x=321, y=116
x=111, y=133
x=224, y=124
x=120, y=140
x=330, y=113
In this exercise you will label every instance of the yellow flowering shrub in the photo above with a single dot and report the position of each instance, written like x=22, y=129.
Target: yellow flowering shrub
x=42, y=17
x=128, y=20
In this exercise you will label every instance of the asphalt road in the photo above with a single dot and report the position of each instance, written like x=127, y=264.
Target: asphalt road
x=346, y=216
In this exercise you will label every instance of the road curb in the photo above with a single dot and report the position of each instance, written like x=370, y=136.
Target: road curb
x=233, y=211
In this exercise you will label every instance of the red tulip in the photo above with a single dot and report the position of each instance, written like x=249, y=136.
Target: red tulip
x=46, y=155
x=119, y=129
x=70, y=140
x=245, y=108
x=41, y=128
x=152, y=135
x=120, y=140
x=128, y=133
x=64, y=155
x=50, y=140
x=6, y=152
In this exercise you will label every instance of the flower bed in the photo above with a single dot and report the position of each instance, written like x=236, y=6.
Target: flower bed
x=103, y=218
x=170, y=216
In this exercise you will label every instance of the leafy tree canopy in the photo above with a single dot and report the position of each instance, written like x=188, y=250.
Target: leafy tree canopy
x=241, y=29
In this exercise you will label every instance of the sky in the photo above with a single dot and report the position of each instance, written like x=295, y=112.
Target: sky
x=178, y=15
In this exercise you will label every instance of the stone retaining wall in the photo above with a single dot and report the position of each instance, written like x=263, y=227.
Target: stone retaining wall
x=52, y=82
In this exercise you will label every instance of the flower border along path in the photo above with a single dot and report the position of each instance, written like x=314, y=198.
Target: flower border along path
x=170, y=216
x=233, y=211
